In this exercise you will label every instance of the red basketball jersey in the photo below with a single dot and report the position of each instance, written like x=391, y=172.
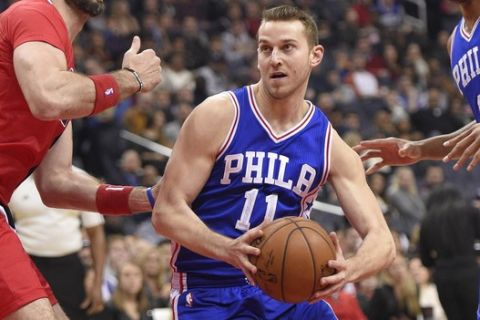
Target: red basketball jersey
x=24, y=140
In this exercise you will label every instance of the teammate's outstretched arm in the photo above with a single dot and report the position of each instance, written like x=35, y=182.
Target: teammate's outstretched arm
x=461, y=144
x=61, y=186
x=363, y=212
x=187, y=171
x=53, y=92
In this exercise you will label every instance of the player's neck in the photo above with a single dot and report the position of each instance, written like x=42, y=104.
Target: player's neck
x=74, y=19
x=284, y=113
x=470, y=13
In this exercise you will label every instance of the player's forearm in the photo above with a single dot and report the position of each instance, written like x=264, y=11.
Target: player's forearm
x=69, y=95
x=433, y=148
x=376, y=253
x=183, y=226
x=77, y=190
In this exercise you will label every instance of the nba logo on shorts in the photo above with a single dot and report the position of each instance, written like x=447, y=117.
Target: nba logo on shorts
x=189, y=300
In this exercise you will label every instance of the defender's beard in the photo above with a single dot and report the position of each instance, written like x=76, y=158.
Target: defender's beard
x=91, y=7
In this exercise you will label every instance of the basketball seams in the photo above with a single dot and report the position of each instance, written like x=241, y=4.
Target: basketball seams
x=325, y=237
x=314, y=262
x=284, y=258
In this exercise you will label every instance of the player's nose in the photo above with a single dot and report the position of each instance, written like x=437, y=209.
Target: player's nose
x=275, y=57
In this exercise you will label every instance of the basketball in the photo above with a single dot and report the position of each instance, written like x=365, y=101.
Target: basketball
x=293, y=259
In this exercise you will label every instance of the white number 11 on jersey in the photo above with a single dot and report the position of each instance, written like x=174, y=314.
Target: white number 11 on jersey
x=244, y=222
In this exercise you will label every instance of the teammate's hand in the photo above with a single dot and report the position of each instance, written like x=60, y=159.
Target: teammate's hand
x=464, y=146
x=145, y=63
x=239, y=249
x=335, y=282
x=392, y=151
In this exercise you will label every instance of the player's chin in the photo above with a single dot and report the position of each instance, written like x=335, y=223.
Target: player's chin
x=278, y=90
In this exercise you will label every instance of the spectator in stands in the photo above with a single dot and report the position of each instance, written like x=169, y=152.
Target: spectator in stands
x=433, y=119
x=117, y=255
x=434, y=177
x=175, y=75
x=397, y=296
x=428, y=294
x=404, y=199
x=137, y=116
x=447, y=236
x=129, y=300
x=156, y=288
x=121, y=27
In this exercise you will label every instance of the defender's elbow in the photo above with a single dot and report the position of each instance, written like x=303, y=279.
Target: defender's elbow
x=46, y=107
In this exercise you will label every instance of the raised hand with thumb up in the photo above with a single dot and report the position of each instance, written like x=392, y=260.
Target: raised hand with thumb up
x=144, y=65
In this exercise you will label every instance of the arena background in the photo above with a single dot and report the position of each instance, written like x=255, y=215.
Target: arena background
x=385, y=73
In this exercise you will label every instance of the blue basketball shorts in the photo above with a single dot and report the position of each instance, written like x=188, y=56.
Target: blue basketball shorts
x=244, y=302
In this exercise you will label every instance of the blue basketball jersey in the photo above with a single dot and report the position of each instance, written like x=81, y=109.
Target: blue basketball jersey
x=465, y=64
x=257, y=175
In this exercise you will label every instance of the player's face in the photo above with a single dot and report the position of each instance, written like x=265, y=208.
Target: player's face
x=91, y=7
x=285, y=59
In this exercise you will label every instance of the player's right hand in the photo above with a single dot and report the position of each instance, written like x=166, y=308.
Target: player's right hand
x=240, y=248
x=391, y=151
x=145, y=63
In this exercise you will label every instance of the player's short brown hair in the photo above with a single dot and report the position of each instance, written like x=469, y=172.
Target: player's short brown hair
x=290, y=13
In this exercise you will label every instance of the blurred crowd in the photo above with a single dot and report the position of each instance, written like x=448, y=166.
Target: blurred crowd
x=382, y=75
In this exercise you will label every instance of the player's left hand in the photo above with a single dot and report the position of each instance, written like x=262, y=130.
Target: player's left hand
x=241, y=248
x=464, y=146
x=93, y=302
x=335, y=282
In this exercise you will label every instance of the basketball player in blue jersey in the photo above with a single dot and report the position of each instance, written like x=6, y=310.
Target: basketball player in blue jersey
x=461, y=145
x=256, y=154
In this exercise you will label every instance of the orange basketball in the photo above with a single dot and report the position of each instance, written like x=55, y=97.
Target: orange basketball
x=293, y=259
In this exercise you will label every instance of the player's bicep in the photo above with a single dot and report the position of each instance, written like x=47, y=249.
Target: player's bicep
x=188, y=168
x=35, y=63
x=347, y=177
x=196, y=149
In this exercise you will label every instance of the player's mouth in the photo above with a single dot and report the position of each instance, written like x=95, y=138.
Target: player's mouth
x=278, y=75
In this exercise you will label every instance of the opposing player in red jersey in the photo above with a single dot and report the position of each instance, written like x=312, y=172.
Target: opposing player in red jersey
x=39, y=93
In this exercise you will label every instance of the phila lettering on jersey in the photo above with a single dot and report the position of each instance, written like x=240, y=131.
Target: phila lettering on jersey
x=465, y=63
x=258, y=175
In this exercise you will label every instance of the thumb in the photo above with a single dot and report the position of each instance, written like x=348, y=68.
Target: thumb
x=136, y=43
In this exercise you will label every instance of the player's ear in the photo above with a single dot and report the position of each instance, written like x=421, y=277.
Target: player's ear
x=316, y=55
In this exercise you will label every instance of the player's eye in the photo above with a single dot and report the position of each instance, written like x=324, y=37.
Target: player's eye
x=265, y=49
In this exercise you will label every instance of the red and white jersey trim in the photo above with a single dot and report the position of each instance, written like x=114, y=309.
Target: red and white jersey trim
x=179, y=281
x=264, y=123
x=468, y=35
x=233, y=127
x=327, y=152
